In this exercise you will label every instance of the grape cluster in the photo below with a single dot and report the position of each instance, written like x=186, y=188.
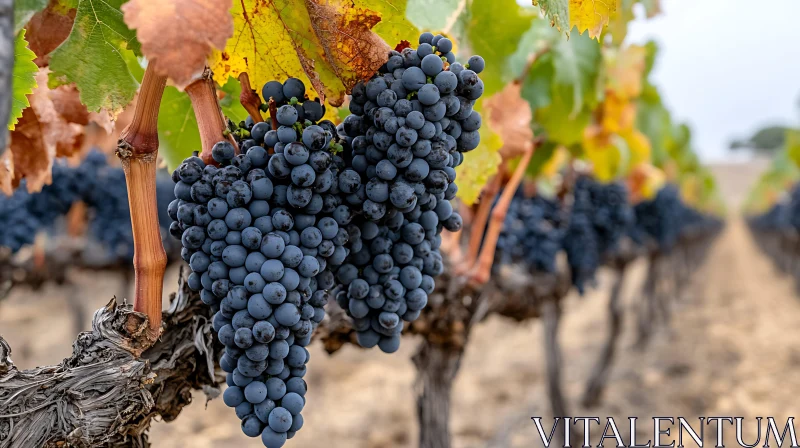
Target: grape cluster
x=308, y=208
x=612, y=216
x=292, y=93
x=581, y=241
x=101, y=186
x=24, y=214
x=659, y=219
x=261, y=235
x=408, y=128
x=532, y=233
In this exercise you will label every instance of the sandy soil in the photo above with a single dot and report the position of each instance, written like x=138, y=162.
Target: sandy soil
x=730, y=349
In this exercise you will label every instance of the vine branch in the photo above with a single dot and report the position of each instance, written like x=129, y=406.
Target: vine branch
x=138, y=151
x=210, y=120
x=249, y=98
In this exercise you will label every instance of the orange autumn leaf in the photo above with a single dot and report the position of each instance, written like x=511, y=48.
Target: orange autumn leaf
x=509, y=115
x=177, y=36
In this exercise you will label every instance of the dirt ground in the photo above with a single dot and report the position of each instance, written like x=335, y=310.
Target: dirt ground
x=730, y=349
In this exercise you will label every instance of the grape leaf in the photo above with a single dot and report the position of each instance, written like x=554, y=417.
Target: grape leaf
x=23, y=78
x=48, y=29
x=24, y=10
x=434, y=15
x=793, y=145
x=569, y=64
x=177, y=36
x=626, y=70
x=479, y=166
x=94, y=56
x=329, y=44
x=591, y=15
x=577, y=63
x=608, y=154
x=644, y=182
x=557, y=118
x=540, y=159
x=178, y=134
x=494, y=28
x=52, y=125
x=395, y=25
x=33, y=155
x=510, y=117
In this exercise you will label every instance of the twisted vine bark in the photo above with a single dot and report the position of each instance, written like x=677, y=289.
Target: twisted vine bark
x=599, y=377
x=108, y=392
x=437, y=367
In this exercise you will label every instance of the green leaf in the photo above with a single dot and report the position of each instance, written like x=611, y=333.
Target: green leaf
x=539, y=159
x=394, y=25
x=494, y=28
x=230, y=104
x=23, y=78
x=573, y=63
x=558, y=120
x=577, y=64
x=94, y=56
x=178, y=134
x=433, y=15
x=24, y=10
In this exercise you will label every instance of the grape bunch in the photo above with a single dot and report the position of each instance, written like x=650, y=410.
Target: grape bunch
x=408, y=128
x=532, y=233
x=101, y=186
x=292, y=93
x=612, y=216
x=659, y=219
x=259, y=234
x=581, y=241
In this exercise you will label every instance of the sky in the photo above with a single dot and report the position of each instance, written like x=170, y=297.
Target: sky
x=727, y=67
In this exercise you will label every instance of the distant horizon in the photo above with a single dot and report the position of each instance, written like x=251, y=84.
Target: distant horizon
x=724, y=70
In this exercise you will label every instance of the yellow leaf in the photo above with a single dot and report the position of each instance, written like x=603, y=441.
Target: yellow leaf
x=558, y=160
x=625, y=70
x=604, y=152
x=591, y=15
x=619, y=114
x=329, y=44
x=644, y=181
x=479, y=166
x=793, y=145
x=638, y=146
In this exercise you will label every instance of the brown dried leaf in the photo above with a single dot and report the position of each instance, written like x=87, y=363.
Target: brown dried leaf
x=52, y=126
x=6, y=173
x=33, y=157
x=509, y=115
x=177, y=36
x=67, y=102
x=345, y=35
x=48, y=29
x=63, y=132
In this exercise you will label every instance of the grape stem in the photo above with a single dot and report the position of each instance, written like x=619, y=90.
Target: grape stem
x=210, y=120
x=482, y=270
x=273, y=113
x=249, y=98
x=481, y=218
x=138, y=150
